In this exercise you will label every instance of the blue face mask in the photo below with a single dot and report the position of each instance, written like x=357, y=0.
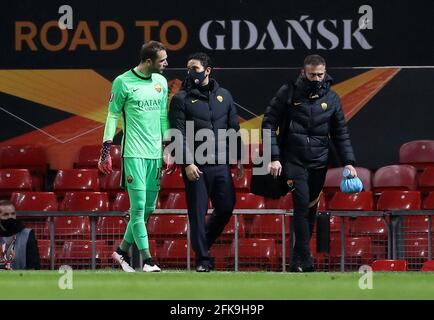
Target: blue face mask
x=196, y=78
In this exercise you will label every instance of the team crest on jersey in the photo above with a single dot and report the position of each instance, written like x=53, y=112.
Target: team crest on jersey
x=157, y=87
x=130, y=179
x=112, y=96
x=220, y=98
x=324, y=106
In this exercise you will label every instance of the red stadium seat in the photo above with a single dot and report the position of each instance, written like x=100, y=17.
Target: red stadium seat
x=111, y=183
x=34, y=201
x=334, y=178
x=30, y=157
x=167, y=226
x=221, y=254
x=44, y=253
x=69, y=227
x=284, y=203
x=76, y=180
x=428, y=266
x=371, y=226
x=416, y=224
x=428, y=202
x=416, y=248
x=358, y=250
x=88, y=156
x=121, y=202
x=228, y=232
x=419, y=153
x=78, y=253
x=176, y=200
x=12, y=180
x=268, y=226
x=172, y=182
x=174, y=254
x=389, y=265
x=396, y=177
x=399, y=200
x=426, y=180
x=242, y=184
x=85, y=201
x=111, y=226
x=362, y=201
x=256, y=254
x=249, y=201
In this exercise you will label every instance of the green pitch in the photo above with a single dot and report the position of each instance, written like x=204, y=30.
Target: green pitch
x=215, y=285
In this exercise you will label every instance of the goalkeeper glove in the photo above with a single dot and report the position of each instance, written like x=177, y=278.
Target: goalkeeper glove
x=105, y=160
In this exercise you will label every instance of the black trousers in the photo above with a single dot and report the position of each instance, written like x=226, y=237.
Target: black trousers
x=307, y=184
x=215, y=183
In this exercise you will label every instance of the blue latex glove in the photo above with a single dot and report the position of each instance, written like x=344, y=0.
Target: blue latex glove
x=350, y=184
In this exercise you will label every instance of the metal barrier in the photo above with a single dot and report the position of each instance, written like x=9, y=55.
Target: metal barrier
x=261, y=239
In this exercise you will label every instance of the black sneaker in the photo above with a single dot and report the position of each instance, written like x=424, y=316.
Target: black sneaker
x=202, y=268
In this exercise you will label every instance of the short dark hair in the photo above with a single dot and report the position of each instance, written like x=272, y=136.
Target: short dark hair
x=314, y=60
x=150, y=49
x=204, y=59
x=6, y=203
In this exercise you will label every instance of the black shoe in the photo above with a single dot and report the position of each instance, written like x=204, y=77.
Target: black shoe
x=202, y=268
x=124, y=255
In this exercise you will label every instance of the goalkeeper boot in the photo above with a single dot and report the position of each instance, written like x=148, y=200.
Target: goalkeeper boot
x=122, y=259
x=150, y=266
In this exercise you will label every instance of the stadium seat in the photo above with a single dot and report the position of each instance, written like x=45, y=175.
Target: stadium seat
x=428, y=202
x=85, y=201
x=428, y=266
x=256, y=254
x=88, y=156
x=416, y=225
x=76, y=180
x=334, y=178
x=78, y=253
x=389, y=265
x=284, y=203
x=69, y=227
x=167, y=226
x=176, y=200
x=242, y=184
x=395, y=177
x=370, y=226
x=416, y=248
x=111, y=183
x=268, y=226
x=31, y=157
x=111, y=226
x=426, y=180
x=249, y=201
x=419, y=153
x=362, y=201
x=172, y=182
x=228, y=232
x=44, y=253
x=121, y=202
x=221, y=253
x=173, y=254
x=358, y=250
x=399, y=200
x=34, y=201
x=12, y=180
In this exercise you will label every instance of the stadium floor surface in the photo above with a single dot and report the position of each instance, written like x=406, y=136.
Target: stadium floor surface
x=216, y=285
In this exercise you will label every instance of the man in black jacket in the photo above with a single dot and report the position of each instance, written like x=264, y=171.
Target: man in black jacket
x=18, y=245
x=308, y=115
x=203, y=105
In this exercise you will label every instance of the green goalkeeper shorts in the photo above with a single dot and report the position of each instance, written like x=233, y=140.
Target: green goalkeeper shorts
x=141, y=174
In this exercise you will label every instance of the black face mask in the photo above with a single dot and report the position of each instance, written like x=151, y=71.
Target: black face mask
x=10, y=227
x=196, y=78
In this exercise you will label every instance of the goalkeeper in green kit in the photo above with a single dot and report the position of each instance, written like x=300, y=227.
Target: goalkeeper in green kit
x=139, y=97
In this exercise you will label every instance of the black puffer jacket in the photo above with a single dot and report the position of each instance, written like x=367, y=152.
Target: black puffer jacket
x=212, y=110
x=307, y=120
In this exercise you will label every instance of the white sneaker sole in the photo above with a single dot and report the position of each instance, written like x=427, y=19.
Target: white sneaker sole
x=121, y=262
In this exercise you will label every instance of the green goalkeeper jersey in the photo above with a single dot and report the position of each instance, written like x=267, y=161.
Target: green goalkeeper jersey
x=142, y=103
